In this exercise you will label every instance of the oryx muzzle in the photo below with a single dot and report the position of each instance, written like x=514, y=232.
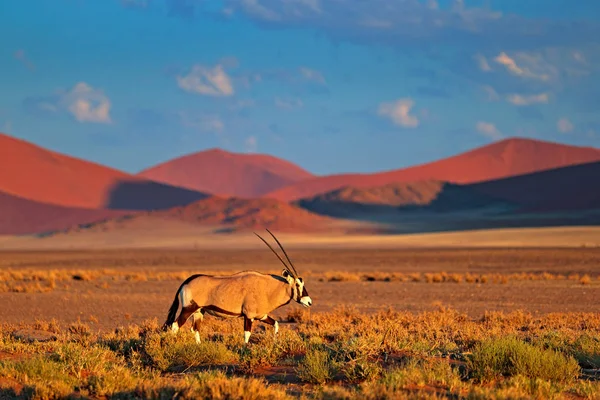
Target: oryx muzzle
x=249, y=294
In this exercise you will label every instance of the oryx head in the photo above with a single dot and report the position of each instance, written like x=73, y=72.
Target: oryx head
x=289, y=273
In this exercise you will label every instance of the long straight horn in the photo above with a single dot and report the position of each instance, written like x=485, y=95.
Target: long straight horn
x=284, y=252
x=273, y=250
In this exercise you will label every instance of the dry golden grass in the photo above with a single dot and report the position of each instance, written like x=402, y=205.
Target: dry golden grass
x=341, y=354
x=42, y=281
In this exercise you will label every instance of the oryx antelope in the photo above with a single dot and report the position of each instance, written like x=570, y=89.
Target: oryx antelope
x=248, y=294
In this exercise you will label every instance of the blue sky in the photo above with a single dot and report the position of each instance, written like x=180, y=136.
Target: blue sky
x=332, y=85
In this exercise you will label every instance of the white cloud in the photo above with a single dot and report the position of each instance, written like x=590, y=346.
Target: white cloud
x=564, y=125
x=399, y=112
x=85, y=103
x=489, y=130
x=206, y=81
x=251, y=144
x=312, y=75
x=288, y=104
x=524, y=100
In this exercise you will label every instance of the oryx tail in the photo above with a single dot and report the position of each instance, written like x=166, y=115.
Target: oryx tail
x=175, y=306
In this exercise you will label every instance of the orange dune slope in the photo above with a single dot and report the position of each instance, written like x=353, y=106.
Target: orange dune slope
x=32, y=172
x=502, y=159
x=226, y=173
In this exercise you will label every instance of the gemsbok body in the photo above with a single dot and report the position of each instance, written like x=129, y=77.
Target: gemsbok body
x=250, y=295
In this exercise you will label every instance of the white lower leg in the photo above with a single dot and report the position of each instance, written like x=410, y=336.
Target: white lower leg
x=175, y=327
x=197, y=337
x=246, y=336
x=276, y=327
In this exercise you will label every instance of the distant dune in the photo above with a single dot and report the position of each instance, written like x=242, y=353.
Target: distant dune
x=38, y=174
x=505, y=158
x=571, y=188
x=227, y=174
x=511, y=183
x=563, y=196
x=223, y=215
x=20, y=216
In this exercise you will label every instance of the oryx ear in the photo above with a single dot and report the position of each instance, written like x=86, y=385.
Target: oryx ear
x=285, y=273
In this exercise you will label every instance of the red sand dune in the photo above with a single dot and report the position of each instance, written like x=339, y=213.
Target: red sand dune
x=498, y=160
x=248, y=214
x=227, y=174
x=227, y=213
x=35, y=173
x=20, y=216
x=571, y=188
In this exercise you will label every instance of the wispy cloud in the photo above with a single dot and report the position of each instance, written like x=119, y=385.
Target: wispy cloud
x=527, y=65
x=488, y=130
x=491, y=93
x=288, y=103
x=206, y=81
x=482, y=62
x=204, y=123
x=135, y=3
x=526, y=100
x=412, y=22
x=22, y=57
x=399, y=112
x=312, y=75
x=564, y=125
x=251, y=144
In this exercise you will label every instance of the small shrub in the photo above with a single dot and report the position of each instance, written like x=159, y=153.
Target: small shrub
x=317, y=367
x=509, y=356
x=169, y=352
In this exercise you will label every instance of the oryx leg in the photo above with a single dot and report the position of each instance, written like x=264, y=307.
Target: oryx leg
x=270, y=321
x=197, y=318
x=247, y=328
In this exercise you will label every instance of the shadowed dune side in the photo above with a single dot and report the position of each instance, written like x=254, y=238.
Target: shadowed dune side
x=227, y=174
x=505, y=158
x=569, y=188
x=147, y=196
x=397, y=198
x=20, y=216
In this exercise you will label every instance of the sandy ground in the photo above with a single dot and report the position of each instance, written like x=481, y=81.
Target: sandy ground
x=105, y=304
x=195, y=237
